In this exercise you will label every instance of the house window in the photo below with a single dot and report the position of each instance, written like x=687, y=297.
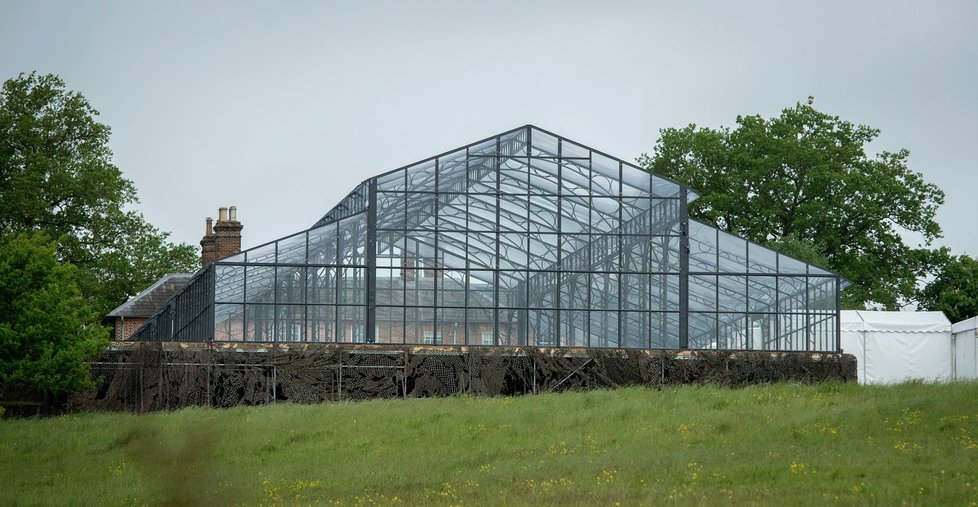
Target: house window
x=487, y=338
x=430, y=338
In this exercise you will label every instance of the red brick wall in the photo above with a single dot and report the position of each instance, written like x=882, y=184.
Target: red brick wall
x=125, y=327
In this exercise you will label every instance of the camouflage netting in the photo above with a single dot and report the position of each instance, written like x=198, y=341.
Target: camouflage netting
x=150, y=377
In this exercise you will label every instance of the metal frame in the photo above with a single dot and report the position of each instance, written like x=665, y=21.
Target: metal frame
x=534, y=238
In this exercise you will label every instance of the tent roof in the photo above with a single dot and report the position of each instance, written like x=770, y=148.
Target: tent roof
x=965, y=325
x=895, y=322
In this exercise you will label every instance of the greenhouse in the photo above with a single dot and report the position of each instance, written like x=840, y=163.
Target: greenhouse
x=524, y=239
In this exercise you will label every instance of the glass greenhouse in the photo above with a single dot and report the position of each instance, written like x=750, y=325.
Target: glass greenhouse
x=522, y=239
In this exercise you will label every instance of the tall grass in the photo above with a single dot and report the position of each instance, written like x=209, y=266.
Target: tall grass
x=776, y=444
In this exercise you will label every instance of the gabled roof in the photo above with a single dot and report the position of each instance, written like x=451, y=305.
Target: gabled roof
x=151, y=299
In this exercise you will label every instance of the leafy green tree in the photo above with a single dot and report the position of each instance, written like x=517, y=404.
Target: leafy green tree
x=954, y=290
x=48, y=329
x=803, y=180
x=57, y=176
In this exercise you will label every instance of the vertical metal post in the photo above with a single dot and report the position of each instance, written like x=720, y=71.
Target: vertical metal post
x=683, y=268
x=371, y=261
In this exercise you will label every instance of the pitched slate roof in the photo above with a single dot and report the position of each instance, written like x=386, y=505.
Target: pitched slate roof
x=151, y=299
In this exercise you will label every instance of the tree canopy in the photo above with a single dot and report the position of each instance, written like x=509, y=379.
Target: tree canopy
x=954, y=290
x=57, y=176
x=803, y=181
x=48, y=329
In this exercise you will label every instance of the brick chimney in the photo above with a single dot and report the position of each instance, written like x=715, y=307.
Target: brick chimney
x=223, y=238
x=208, y=244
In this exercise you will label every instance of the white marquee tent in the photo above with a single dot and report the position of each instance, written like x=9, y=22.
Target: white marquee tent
x=965, y=339
x=894, y=347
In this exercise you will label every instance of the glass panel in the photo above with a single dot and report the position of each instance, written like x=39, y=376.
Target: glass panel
x=419, y=327
x=482, y=213
x=229, y=284
x=575, y=178
x=791, y=266
x=322, y=245
x=290, y=285
x=605, y=254
x=604, y=329
x=604, y=291
x=543, y=176
x=664, y=292
x=761, y=293
x=260, y=323
x=261, y=254
x=451, y=172
x=543, y=144
x=794, y=333
x=605, y=215
x=513, y=213
x=451, y=326
x=392, y=181
x=480, y=325
x=292, y=250
x=634, y=181
x=512, y=289
x=481, y=290
x=421, y=176
x=543, y=251
x=351, y=286
x=605, y=180
x=514, y=144
x=574, y=215
x=451, y=289
x=228, y=322
x=322, y=285
x=390, y=286
x=321, y=324
x=792, y=292
x=390, y=210
x=664, y=188
x=573, y=328
x=702, y=293
x=513, y=176
x=542, y=289
x=451, y=250
x=763, y=331
x=512, y=251
x=483, y=173
x=702, y=330
x=702, y=247
x=481, y=250
x=664, y=331
x=636, y=329
x=570, y=149
x=543, y=213
x=822, y=294
x=732, y=293
x=452, y=212
x=289, y=325
x=762, y=260
x=390, y=325
x=258, y=284
x=512, y=327
x=542, y=328
x=733, y=331
x=664, y=254
x=574, y=290
x=732, y=253
x=351, y=324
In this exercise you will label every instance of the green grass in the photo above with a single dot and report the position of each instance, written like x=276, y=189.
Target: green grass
x=914, y=444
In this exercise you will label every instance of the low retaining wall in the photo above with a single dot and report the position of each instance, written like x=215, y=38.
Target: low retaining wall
x=144, y=376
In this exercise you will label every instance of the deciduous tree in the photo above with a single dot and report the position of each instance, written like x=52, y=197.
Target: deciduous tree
x=48, y=329
x=804, y=178
x=954, y=290
x=57, y=176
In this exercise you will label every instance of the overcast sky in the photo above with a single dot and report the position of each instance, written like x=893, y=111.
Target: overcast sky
x=281, y=108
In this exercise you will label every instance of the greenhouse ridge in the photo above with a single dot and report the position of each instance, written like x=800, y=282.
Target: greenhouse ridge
x=523, y=239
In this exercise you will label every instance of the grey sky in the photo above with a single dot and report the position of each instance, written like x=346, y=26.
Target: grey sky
x=281, y=108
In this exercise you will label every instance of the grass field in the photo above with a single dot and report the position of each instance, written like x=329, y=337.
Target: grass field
x=913, y=444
